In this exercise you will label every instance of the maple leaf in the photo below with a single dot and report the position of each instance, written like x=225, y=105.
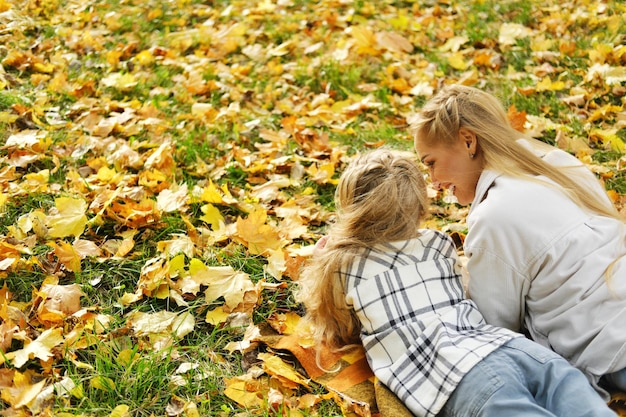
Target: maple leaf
x=23, y=392
x=63, y=298
x=217, y=195
x=256, y=234
x=516, y=118
x=135, y=214
x=67, y=255
x=224, y=282
x=69, y=218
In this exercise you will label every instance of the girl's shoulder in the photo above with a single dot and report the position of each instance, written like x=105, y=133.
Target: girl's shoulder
x=430, y=243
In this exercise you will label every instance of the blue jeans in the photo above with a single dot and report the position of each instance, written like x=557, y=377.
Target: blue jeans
x=525, y=379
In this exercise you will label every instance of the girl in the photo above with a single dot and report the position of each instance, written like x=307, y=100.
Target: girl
x=546, y=248
x=379, y=277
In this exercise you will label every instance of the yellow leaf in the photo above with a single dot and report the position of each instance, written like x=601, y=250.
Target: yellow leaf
x=457, y=61
x=191, y=410
x=183, y=324
x=70, y=219
x=85, y=248
x=286, y=323
x=122, y=82
x=102, y=383
x=247, y=393
x=180, y=244
x=153, y=280
x=129, y=298
x=510, y=32
x=212, y=216
x=605, y=111
x=126, y=357
x=107, y=175
x=127, y=244
x=120, y=411
x=162, y=322
x=322, y=173
x=176, y=265
x=217, y=195
x=608, y=138
x=280, y=369
x=454, y=44
x=6, y=117
x=276, y=263
x=36, y=180
x=365, y=40
x=145, y=58
x=394, y=42
x=45, y=68
x=546, y=84
x=216, y=316
x=22, y=393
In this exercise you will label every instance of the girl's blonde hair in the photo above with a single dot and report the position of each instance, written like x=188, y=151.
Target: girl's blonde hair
x=458, y=106
x=381, y=197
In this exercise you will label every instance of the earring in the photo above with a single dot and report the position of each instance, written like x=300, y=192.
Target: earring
x=471, y=156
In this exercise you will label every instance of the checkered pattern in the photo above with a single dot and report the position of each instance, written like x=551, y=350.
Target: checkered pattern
x=420, y=333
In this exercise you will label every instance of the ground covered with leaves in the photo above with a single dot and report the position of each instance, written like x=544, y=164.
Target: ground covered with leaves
x=166, y=166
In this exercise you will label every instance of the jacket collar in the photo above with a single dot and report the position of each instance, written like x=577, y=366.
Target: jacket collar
x=485, y=181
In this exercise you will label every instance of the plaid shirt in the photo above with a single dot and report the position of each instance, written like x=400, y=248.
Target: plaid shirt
x=421, y=335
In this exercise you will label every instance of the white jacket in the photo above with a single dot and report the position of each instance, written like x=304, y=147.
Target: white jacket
x=540, y=263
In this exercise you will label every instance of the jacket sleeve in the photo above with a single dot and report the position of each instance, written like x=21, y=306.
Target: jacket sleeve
x=497, y=289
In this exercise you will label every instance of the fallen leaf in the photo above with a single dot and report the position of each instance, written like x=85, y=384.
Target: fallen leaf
x=40, y=348
x=69, y=219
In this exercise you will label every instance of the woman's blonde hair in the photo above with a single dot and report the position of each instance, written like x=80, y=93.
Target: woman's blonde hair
x=458, y=106
x=381, y=197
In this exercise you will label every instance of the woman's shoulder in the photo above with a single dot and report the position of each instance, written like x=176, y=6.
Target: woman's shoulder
x=513, y=200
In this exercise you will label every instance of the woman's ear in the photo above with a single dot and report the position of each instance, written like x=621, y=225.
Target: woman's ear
x=469, y=140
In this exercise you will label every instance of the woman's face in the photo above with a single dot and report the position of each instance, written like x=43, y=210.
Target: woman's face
x=455, y=167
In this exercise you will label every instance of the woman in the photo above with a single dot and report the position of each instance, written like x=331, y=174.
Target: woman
x=378, y=276
x=546, y=248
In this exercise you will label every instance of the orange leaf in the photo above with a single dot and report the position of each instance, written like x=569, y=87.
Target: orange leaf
x=256, y=234
x=67, y=255
x=516, y=118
